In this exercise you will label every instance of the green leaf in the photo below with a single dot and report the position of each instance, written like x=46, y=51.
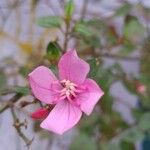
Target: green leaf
x=53, y=51
x=124, y=10
x=22, y=90
x=69, y=9
x=94, y=67
x=144, y=123
x=83, y=30
x=93, y=41
x=88, y=33
x=133, y=28
x=50, y=21
x=95, y=23
x=82, y=141
x=54, y=69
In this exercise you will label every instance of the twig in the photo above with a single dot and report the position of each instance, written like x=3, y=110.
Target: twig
x=66, y=35
x=26, y=103
x=17, y=124
x=6, y=92
x=10, y=102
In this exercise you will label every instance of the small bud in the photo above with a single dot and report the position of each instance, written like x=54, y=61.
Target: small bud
x=141, y=88
x=41, y=113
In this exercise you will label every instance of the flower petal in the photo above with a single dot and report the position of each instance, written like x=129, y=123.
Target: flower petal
x=63, y=117
x=73, y=68
x=90, y=97
x=41, y=80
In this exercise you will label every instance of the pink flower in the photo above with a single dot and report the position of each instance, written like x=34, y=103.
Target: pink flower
x=72, y=94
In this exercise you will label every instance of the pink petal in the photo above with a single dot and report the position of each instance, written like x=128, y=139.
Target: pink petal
x=90, y=97
x=63, y=117
x=73, y=68
x=41, y=80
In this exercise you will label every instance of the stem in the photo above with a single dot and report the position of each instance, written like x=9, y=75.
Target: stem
x=7, y=91
x=26, y=103
x=10, y=102
x=66, y=35
x=17, y=126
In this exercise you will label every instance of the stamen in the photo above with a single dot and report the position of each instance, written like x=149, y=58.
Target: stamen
x=69, y=90
x=62, y=81
x=73, y=93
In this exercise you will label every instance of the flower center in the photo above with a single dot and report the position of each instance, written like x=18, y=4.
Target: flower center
x=69, y=90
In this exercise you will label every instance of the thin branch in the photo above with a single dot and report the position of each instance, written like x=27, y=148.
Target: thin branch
x=26, y=103
x=66, y=37
x=17, y=124
x=66, y=34
x=7, y=92
x=10, y=102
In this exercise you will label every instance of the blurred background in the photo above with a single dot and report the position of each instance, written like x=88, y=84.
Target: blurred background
x=113, y=36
